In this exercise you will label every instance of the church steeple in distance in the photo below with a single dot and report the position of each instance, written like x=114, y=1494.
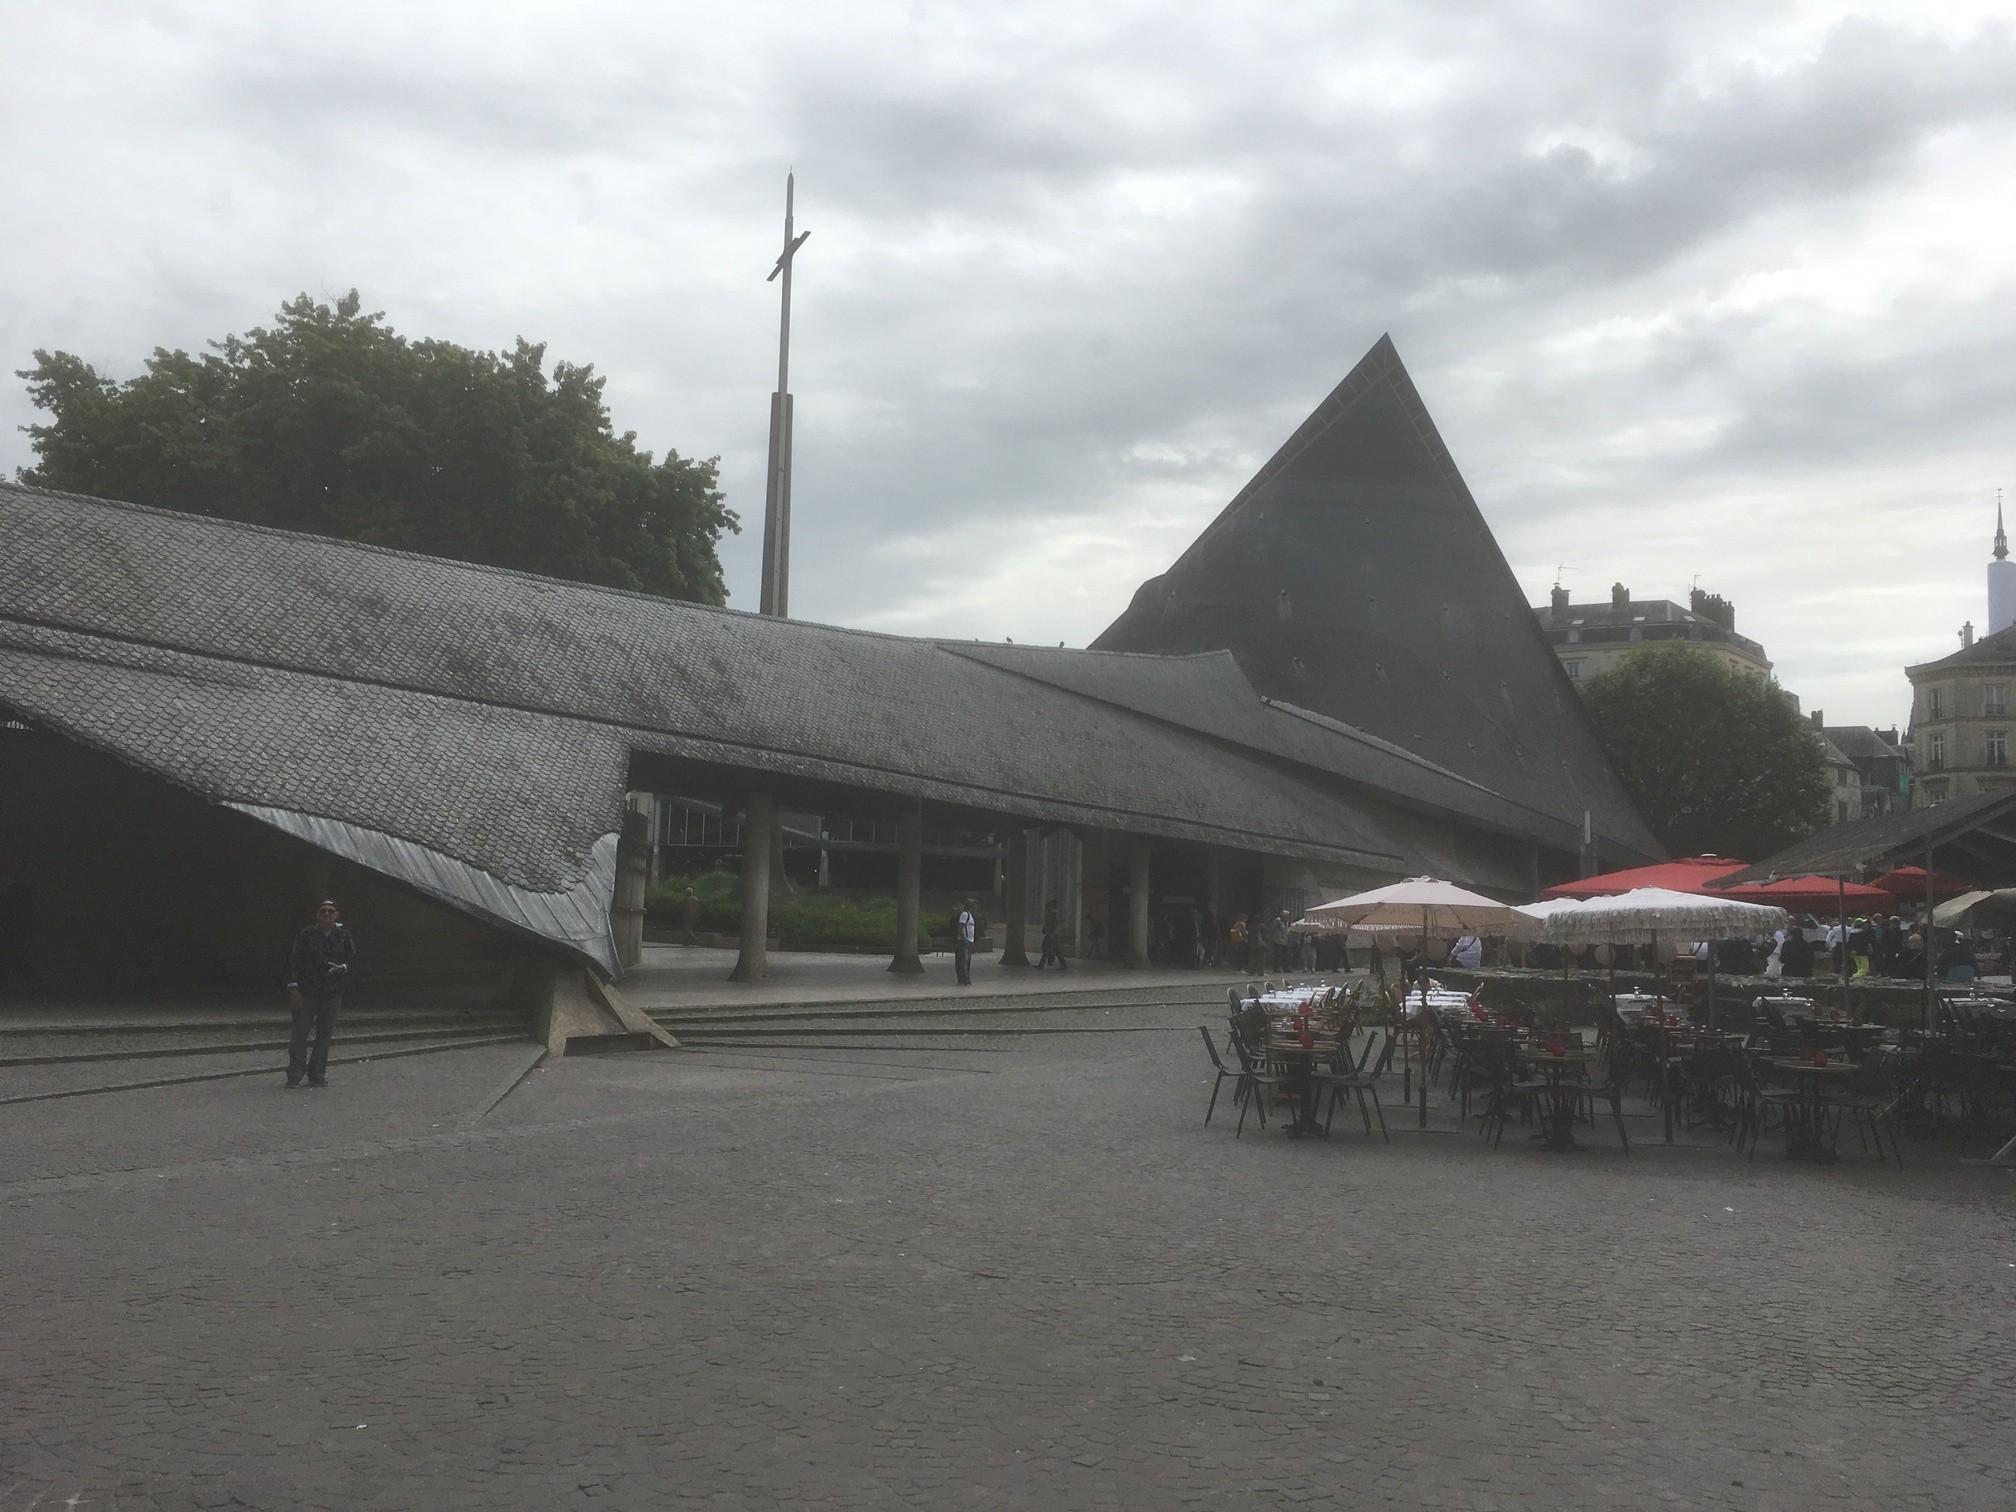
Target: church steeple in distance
x=2001, y=536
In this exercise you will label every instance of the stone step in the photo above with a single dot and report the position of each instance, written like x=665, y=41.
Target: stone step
x=680, y=1019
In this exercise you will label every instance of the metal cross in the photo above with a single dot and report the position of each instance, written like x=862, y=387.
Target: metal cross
x=776, y=596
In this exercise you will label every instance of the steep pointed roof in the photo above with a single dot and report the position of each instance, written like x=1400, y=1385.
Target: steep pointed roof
x=1355, y=576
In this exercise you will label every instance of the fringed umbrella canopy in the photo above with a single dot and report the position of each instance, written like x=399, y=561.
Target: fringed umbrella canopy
x=1419, y=905
x=1640, y=917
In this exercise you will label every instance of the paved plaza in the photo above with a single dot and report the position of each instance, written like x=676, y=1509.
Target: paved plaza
x=942, y=1271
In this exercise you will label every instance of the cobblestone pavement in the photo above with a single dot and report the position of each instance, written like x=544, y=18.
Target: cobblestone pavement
x=948, y=1273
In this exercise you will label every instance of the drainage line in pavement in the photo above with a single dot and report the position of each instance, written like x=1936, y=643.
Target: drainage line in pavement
x=244, y=1047
x=373, y=1019
x=177, y=1081
x=535, y=1054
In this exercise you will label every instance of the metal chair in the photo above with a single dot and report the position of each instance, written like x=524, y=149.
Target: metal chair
x=1225, y=1074
x=1872, y=1098
x=1357, y=1082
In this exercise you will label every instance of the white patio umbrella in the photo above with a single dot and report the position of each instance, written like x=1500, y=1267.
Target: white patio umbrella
x=1420, y=905
x=1425, y=906
x=1639, y=917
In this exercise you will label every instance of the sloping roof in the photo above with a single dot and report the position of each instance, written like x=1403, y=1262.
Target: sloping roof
x=1975, y=838
x=1209, y=693
x=1861, y=743
x=1656, y=620
x=1355, y=576
x=1610, y=614
x=1990, y=650
x=396, y=704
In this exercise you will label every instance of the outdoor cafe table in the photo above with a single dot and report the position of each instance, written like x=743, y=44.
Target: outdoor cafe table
x=1806, y=1120
x=1299, y=1062
x=1564, y=1075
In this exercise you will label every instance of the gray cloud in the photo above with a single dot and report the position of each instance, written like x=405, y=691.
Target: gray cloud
x=1666, y=277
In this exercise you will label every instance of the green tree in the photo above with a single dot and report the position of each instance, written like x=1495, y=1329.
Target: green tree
x=1718, y=760
x=329, y=421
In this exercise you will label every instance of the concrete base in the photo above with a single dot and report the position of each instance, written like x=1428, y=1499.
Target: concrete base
x=586, y=1014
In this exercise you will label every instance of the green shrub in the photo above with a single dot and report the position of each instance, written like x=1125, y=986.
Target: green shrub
x=814, y=921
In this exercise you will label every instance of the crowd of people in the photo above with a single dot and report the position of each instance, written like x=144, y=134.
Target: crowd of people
x=1879, y=945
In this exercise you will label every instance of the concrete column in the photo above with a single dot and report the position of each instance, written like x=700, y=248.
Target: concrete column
x=649, y=806
x=1137, y=903
x=909, y=881
x=1015, y=901
x=633, y=868
x=759, y=824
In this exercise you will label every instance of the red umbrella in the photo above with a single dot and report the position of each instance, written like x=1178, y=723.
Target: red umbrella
x=1907, y=884
x=1806, y=893
x=1691, y=874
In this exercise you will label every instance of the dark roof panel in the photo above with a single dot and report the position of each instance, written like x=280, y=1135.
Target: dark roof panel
x=1355, y=576
x=1899, y=839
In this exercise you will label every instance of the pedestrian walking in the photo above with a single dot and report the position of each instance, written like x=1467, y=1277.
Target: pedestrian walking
x=963, y=924
x=317, y=968
x=1053, y=923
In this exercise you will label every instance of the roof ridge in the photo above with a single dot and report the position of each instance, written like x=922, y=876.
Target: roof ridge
x=456, y=563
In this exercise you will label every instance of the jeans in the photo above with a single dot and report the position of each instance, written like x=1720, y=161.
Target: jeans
x=1051, y=953
x=316, y=1015
x=962, y=955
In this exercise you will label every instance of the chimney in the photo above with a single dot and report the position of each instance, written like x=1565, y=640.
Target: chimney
x=1560, y=599
x=1620, y=596
x=1966, y=635
x=1712, y=606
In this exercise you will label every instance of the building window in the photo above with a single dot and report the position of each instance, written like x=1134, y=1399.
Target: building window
x=1572, y=668
x=1935, y=751
x=1841, y=811
x=1935, y=792
x=1998, y=748
x=1935, y=703
x=1995, y=700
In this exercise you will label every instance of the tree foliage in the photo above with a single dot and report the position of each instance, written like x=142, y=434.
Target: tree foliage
x=1718, y=760
x=329, y=421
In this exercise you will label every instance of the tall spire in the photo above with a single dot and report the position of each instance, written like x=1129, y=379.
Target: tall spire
x=2001, y=536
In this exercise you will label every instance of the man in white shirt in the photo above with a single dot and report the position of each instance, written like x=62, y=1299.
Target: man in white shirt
x=1467, y=952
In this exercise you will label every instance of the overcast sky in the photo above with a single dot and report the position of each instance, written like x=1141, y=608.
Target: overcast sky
x=1715, y=290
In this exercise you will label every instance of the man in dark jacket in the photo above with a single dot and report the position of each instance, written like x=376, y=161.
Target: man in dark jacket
x=316, y=970
x=1796, y=954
